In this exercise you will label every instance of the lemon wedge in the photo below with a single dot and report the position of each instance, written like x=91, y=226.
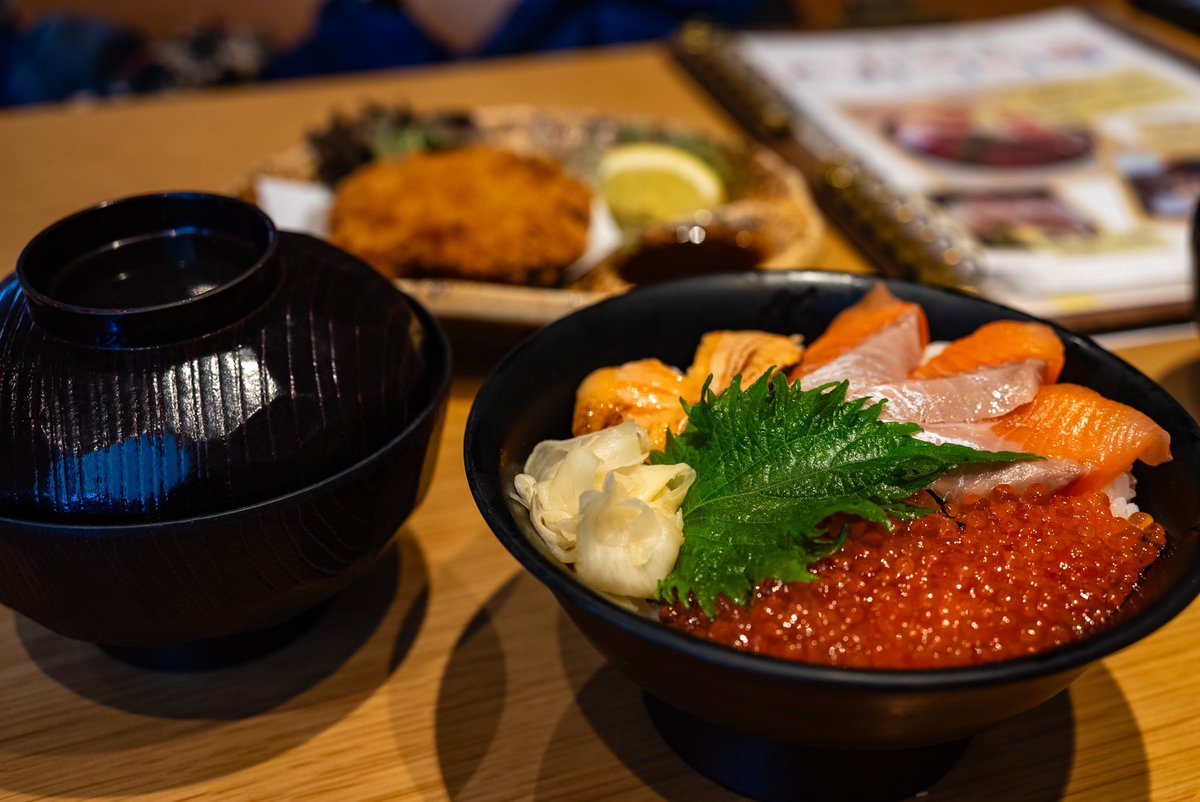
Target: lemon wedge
x=650, y=182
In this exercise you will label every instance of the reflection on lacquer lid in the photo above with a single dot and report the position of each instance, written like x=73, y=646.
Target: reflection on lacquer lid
x=173, y=355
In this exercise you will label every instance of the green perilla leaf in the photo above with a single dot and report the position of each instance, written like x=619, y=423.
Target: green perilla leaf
x=772, y=462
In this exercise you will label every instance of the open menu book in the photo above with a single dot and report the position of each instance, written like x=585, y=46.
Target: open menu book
x=1049, y=160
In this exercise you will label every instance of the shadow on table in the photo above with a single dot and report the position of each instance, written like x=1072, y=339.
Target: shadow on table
x=527, y=708
x=274, y=702
x=507, y=698
x=1029, y=757
x=472, y=695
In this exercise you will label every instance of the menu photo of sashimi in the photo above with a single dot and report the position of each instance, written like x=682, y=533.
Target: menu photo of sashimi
x=1066, y=149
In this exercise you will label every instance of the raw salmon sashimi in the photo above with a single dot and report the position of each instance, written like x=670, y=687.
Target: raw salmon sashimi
x=874, y=312
x=998, y=343
x=646, y=391
x=879, y=339
x=725, y=354
x=1067, y=421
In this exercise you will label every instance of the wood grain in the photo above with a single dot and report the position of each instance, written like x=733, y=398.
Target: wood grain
x=448, y=673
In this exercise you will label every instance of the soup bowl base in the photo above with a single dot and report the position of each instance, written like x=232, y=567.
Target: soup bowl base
x=224, y=651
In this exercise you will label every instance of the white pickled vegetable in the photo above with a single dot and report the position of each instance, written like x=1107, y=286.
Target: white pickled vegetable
x=630, y=532
x=596, y=504
x=558, y=472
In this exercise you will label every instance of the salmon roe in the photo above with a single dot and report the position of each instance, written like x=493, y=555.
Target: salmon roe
x=991, y=578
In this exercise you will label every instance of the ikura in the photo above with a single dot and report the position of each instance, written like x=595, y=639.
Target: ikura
x=991, y=578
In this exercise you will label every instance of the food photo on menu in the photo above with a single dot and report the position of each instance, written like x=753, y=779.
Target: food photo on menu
x=1056, y=147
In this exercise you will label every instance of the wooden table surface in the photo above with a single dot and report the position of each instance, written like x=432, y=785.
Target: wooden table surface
x=450, y=673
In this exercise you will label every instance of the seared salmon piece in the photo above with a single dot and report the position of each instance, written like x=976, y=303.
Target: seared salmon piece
x=646, y=391
x=725, y=354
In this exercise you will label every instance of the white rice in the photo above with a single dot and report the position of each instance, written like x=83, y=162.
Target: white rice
x=1120, y=495
x=933, y=349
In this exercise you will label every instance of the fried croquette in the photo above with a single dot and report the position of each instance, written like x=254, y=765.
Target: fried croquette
x=474, y=212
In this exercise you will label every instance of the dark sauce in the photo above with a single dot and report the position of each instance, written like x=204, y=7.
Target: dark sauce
x=667, y=260
x=158, y=268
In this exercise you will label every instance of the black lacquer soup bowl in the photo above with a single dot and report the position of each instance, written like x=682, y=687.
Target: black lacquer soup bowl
x=209, y=426
x=529, y=398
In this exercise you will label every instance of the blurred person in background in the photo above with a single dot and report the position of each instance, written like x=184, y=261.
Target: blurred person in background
x=357, y=35
x=60, y=56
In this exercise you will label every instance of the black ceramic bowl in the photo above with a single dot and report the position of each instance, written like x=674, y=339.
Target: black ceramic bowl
x=529, y=398
x=208, y=426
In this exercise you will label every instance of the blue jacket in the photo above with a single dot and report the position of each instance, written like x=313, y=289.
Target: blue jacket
x=354, y=35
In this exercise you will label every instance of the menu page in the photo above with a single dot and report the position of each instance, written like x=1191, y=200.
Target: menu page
x=1068, y=151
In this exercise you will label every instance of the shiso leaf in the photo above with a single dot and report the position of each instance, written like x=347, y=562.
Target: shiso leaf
x=772, y=462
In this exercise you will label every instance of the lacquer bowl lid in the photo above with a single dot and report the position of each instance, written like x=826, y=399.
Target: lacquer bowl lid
x=172, y=355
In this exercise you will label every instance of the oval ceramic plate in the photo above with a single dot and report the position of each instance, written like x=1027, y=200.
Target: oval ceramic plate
x=768, y=201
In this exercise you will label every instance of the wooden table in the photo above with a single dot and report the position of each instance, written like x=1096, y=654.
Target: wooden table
x=450, y=673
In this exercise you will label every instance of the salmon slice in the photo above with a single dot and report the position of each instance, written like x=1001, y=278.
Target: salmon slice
x=998, y=343
x=646, y=391
x=874, y=312
x=888, y=355
x=988, y=392
x=1066, y=421
x=725, y=354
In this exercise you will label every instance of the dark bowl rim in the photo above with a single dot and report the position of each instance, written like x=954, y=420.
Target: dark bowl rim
x=1074, y=656
x=436, y=400
x=268, y=253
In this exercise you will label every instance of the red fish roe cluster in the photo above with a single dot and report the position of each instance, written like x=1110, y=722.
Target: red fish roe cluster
x=992, y=578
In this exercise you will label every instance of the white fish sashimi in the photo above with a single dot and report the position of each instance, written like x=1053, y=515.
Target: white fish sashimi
x=979, y=480
x=982, y=394
x=976, y=435
x=888, y=355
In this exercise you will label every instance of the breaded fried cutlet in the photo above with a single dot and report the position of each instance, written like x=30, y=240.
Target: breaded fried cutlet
x=475, y=212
